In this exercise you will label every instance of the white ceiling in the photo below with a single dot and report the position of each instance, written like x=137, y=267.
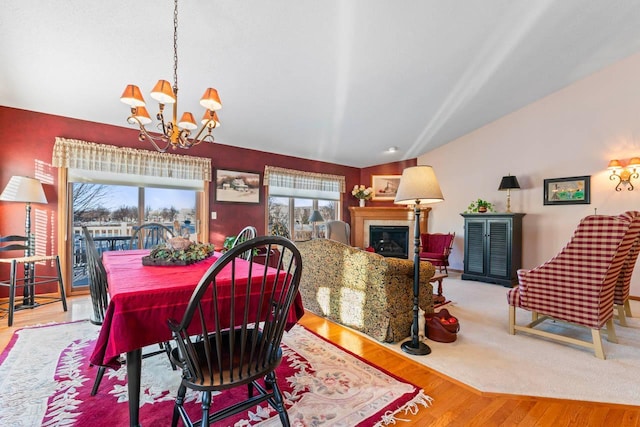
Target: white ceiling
x=333, y=80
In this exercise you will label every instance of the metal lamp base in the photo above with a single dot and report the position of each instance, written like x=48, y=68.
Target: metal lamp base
x=421, y=350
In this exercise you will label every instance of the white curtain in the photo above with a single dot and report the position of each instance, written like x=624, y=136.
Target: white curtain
x=75, y=154
x=300, y=180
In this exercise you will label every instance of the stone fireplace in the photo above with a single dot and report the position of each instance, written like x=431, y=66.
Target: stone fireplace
x=363, y=218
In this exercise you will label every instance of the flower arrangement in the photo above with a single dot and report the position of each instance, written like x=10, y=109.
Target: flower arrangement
x=361, y=192
x=169, y=254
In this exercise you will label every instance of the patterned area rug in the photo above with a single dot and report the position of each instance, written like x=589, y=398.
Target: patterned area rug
x=44, y=371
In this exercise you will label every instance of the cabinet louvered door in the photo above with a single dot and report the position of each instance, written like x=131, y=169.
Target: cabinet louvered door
x=499, y=248
x=492, y=247
x=475, y=247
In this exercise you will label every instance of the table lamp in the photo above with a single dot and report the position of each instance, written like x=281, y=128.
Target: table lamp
x=315, y=217
x=418, y=184
x=509, y=183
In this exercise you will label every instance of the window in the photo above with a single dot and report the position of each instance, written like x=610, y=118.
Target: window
x=126, y=186
x=111, y=211
x=294, y=195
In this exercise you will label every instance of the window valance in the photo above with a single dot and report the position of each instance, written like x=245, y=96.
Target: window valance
x=300, y=180
x=75, y=154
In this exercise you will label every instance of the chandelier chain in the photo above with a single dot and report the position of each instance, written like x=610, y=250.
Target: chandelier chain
x=175, y=45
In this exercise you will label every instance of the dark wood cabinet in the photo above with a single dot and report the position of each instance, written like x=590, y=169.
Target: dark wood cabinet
x=492, y=247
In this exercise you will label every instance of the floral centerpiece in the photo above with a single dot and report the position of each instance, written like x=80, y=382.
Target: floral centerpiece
x=362, y=193
x=178, y=251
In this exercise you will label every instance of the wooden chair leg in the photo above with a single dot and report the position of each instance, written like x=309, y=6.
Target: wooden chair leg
x=627, y=308
x=512, y=320
x=597, y=343
x=611, y=332
x=621, y=316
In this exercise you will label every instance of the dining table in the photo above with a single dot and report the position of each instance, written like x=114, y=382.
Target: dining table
x=142, y=299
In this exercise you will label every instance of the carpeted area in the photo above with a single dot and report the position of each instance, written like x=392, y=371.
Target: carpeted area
x=44, y=372
x=486, y=357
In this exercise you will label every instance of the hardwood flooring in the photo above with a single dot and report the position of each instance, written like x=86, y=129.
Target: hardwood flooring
x=454, y=404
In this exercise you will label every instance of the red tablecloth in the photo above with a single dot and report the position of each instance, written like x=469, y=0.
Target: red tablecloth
x=144, y=297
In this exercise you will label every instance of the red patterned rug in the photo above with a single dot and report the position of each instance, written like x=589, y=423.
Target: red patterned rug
x=44, y=371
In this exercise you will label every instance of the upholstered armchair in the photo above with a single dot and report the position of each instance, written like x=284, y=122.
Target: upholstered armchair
x=339, y=231
x=577, y=285
x=623, y=285
x=436, y=248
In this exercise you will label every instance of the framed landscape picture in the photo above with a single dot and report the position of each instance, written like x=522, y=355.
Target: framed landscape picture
x=575, y=190
x=237, y=186
x=385, y=187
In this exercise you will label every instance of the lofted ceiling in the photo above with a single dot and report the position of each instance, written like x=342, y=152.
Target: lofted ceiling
x=333, y=80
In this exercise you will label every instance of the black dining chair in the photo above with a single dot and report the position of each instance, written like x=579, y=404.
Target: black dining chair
x=97, y=278
x=99, y=292
x=239, y=334
x=148, y=235
x=20, y=253
x=247, y=233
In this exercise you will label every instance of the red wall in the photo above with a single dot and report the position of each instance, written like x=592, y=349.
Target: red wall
x=28, y=144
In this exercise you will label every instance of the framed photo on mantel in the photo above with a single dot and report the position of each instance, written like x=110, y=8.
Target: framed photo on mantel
x=575, y=190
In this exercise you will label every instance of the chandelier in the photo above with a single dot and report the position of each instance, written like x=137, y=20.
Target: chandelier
x=174, y=133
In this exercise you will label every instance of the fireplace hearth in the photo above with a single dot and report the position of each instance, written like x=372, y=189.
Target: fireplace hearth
x=390, y=241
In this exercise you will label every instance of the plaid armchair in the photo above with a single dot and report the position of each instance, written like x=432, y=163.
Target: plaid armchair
x=577, y=285
x=621, y=293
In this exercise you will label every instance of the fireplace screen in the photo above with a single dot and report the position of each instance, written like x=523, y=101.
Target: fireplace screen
x=390, y=241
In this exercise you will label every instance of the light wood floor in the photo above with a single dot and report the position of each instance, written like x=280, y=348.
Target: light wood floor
x=454, y=404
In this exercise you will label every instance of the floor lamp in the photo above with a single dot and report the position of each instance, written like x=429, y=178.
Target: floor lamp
x=418, y=185
x=26, y=190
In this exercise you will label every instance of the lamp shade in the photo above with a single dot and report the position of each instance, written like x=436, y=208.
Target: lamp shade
x=132, y=96
x=23, y=189
x=187, y=121
x=142, y=115
x=210, y=119
x=210, y=100
x=316, y=217
x=418, y=184
x=163, y=92
x=614, y=164
x=509, y=183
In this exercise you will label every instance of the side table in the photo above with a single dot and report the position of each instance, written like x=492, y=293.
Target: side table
x=438, y=277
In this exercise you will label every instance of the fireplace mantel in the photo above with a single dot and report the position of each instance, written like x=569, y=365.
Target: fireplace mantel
x=384, y=214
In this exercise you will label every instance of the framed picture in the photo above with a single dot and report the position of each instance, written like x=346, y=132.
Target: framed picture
x=575, y=190
x=237, y=186
x=385, y=187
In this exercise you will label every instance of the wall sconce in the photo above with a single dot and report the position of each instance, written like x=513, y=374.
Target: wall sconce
x=624, y=175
